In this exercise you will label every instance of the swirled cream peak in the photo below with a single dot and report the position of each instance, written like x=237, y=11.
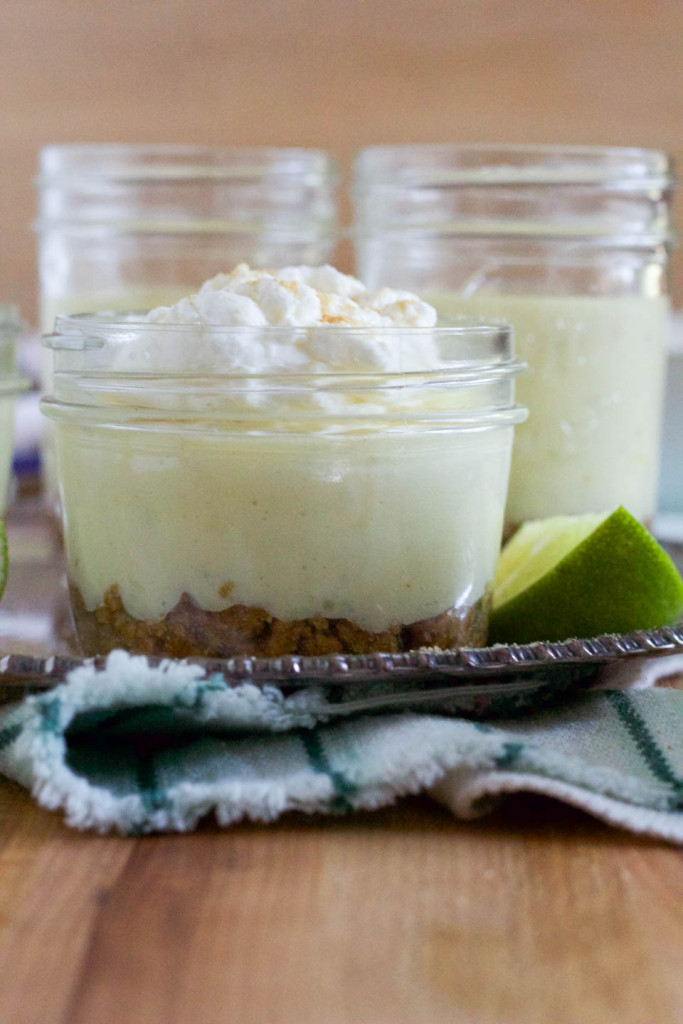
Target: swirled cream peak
x=305, y=320
x=295, y=297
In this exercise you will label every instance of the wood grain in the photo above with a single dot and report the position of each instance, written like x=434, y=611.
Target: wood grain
x=535, y=915
x=51, y=886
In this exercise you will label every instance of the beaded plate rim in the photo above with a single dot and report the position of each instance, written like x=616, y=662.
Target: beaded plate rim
x=468, y=664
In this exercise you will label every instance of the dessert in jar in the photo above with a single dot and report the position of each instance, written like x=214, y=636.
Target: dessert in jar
x=595, y=394
x=570, y=245
x=125, y=227
x=284, y=463
x=11, y=385
x=669, y=525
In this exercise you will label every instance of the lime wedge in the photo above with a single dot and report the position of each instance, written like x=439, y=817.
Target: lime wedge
x=579, y=576
x=4, y=557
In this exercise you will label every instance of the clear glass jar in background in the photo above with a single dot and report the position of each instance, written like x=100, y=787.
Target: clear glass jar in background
x=11, y=385
x=137, y=226
x=669, y=522
x=216, y=512
x=569, y=244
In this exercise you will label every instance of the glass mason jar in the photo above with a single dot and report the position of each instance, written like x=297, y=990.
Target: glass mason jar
x=228, y=513
x=670, y=518
x=570, y=245
x=11, y=385
x=137, y=226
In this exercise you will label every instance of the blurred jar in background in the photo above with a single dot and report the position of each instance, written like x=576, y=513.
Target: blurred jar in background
x=11, y=385
x=570, y=244
x=131, y=227
x=669, y=525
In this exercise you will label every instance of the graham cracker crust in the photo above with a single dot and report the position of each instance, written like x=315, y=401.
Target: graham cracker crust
x=190, y=631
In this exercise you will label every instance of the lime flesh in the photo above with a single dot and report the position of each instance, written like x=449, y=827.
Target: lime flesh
x=580, y=576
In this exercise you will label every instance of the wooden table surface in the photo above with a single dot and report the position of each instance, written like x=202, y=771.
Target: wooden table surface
x=534, y=915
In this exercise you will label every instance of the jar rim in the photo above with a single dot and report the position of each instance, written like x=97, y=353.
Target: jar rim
x=163, y=418
x=489, y=164
x=470, y=348
x=72, y=163
x=510, y=231
x=313, y=229
x=118, y=322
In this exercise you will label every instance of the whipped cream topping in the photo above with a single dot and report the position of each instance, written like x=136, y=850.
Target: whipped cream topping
x=336, y=325
x=295, y=297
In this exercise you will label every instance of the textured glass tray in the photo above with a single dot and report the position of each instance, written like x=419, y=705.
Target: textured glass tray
x=484, y=681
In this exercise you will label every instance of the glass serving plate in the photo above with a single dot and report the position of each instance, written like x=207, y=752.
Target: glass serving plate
x=477, y=682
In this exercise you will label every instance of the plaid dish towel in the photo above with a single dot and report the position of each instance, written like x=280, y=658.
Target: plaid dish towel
x=141, y=749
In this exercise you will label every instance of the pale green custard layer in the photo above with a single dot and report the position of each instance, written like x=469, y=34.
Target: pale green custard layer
x=594, y=391
x=377, y=528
